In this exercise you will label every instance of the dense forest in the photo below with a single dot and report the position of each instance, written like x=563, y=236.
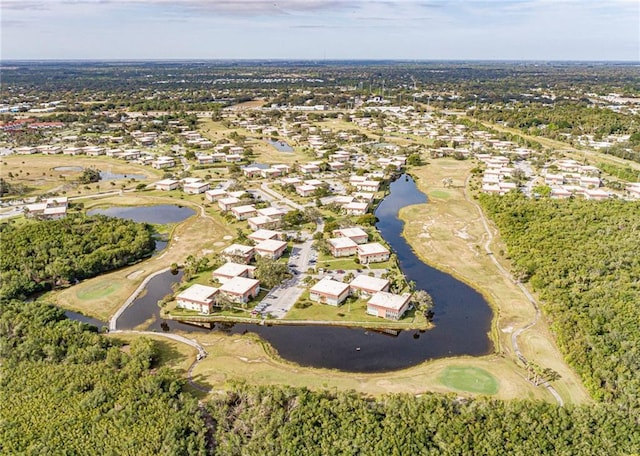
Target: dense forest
x=583, y=258
x=295, y=421
x=56, y=252
x=64, y=389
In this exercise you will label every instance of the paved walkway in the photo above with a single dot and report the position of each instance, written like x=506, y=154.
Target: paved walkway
x=114, y=319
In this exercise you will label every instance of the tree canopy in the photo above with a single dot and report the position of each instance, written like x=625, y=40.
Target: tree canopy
x=64, y=389
x=43, y=254
x=583, y=258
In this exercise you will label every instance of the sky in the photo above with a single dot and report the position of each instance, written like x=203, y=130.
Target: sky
x=321, y=29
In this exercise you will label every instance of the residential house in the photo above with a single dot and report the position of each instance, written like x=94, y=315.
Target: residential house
x=589, y=181
x=194, y=188
x=262, y=223
x=227, y=203
x=205, y=159
x=50, y=209
x=329, y=291
x=251, y=171
x=373, y=252
x=215, y=194
x=365, y=285
x=595, y=194
x=356, y=208
x=271, y=173
x=560, y=193
x=241, y=289
x=263, y=235
x=200, y=298
x=633, y=189
x=388, y=305
x=357, y=235
x=233, y=158
x=365, y=197
x=342, y=246
x=284, y=169
x=239, y=253
x=230, y=270
x=271, y=248
x=367, y=186
x=305, y=190
x=163, y=162
x=309, y=168
x=167, y=184
x=243, y=212
x=272, y=212
x=342, y=200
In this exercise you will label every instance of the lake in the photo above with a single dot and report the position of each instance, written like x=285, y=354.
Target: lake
x=280, y=145
x=161, y=214
x=108, y=175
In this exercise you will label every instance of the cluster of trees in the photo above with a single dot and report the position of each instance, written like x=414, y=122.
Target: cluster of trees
x=582, y=258
x=89, y=176
x=575, y=118
x=64, y=389
x=276, y=421
x=41, y=255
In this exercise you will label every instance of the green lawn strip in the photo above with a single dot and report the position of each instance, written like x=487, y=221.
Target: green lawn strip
x=470, y=379
x=439, y=194
x=352, y=310
x=98, y=290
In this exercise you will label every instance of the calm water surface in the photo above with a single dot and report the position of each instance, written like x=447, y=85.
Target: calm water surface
x=164, y=213
x=280, y=145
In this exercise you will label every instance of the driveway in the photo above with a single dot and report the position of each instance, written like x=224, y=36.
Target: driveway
x=281, y=298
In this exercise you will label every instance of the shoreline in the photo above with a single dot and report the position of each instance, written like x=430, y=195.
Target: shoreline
x=390, y=325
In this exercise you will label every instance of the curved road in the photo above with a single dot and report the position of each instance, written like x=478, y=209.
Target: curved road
x=507, y=275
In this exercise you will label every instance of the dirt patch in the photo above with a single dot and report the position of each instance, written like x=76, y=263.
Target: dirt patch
x=135, y=274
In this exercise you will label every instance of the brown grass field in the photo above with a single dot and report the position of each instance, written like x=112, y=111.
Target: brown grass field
x=447, y=233
x=38, y=174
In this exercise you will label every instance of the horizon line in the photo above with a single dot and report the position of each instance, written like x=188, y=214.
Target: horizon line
x=325, y=60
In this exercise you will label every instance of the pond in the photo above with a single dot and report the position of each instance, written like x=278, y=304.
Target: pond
x=84, y=319
x=462, y=316
x=280, y=145
x=161, y=214
x=108, y=175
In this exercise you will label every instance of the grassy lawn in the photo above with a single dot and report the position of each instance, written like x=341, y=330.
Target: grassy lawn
x=329, y=262
x=98, y=290
x=469, y=379
x=352, y=310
